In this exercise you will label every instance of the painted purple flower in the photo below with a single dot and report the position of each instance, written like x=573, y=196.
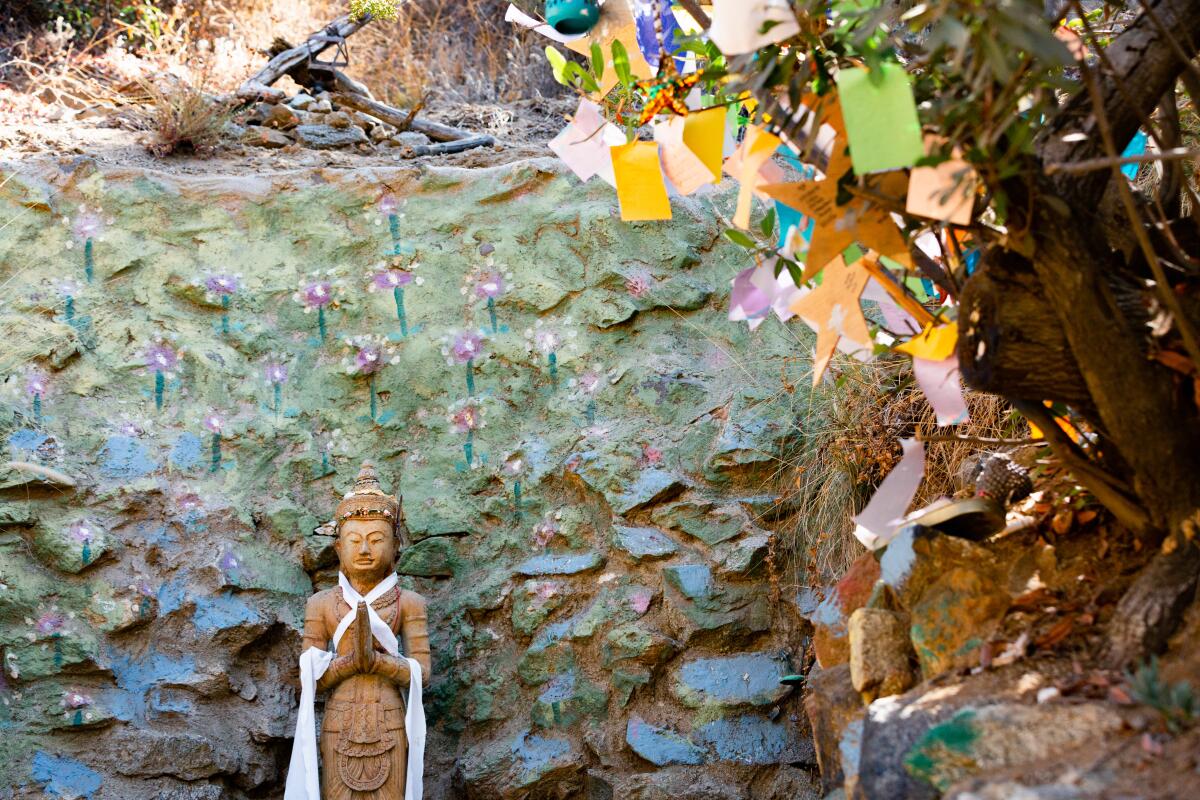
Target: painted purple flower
x=275, y=372
x=229, y=561
x=545, y=530
x=36, y=382
x=87, y=225
x=489, y=286
x=317, y=294
x=466, y=346
x=50, y=622
x=590, y=382
x=547, y=340
x=389, y=204
x=514, y=466
x=639, y=601
x=222, y=283
x=369, y=355
x=82, y=531
x=74, y=700
x=161, y=357
x=213, y=422
x=637, y=285
x=466, y=416
x=386, y=280
x=68, y=287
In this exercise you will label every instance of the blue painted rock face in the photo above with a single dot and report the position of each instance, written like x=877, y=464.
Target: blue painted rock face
x=643, y=543
x=746, y=679
x=660, y=746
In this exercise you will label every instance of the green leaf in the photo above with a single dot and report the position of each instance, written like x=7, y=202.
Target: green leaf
x=580, y=77
x=557, y=64
x=621, y=63
x=767, y=225
x=740, y=239
x=597, y=61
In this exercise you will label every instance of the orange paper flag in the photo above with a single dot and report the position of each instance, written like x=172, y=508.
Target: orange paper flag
x=833, y=311
x=754, y=153
x=640, y=188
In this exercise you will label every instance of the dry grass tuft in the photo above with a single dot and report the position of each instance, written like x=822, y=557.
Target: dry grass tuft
x=848, y=441
x=180, y=118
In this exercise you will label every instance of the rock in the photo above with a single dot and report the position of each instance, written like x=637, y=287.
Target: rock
x=434, y=557
x=693, y=581
x=704, y=520
x=873, y=753
x=326, y=137
x=745, y=679
x=259, y=136
x=142, y=753
x=994, y=737
x=527, y=765
x=702, y=610
x=567, y=699
x=683, y=782
x=549, y=654
x=753, y=740
x=791, y=783
x=830, y=634
x=380, y=133
x=635, y=642
x=71, y=545
x=880, y=654
x=918, y=556
x=660, y=746
x=339, y=119
x=411, y=139
x=533, y=602
x=643, y=543
x=280, y=117
x=625, y=680
x=955, y=616
x=831, y=703
x=320, y=106
x=743, y=557
x=301, y=101
x=560, y=564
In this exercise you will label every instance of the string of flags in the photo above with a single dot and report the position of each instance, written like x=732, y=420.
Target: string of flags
x=846, y=235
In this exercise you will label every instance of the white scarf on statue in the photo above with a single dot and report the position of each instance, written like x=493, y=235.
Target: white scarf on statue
x=303, y=781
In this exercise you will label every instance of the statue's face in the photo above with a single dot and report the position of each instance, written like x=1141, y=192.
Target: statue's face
x=366, y=548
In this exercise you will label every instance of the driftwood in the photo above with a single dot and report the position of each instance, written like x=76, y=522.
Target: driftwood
x=258, y=87
x=442, y=149
x=402, y=120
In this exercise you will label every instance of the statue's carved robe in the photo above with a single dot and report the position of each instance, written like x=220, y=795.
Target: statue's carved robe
x=363, y=745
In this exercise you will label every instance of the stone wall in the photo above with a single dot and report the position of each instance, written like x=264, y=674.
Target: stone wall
x=591, y=527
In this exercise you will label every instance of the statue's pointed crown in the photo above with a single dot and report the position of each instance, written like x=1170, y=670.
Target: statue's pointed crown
x=366, y=499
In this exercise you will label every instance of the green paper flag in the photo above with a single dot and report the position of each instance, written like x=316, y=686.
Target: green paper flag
x=881, y=119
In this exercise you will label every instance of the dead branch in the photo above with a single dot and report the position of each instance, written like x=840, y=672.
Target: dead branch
x=457, y=146
x=402, y=118
x=258, y=86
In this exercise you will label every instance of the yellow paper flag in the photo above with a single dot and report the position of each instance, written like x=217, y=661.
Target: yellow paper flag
x=704, y=134
x=935, y=343
x=756, y=149
x=640, y=188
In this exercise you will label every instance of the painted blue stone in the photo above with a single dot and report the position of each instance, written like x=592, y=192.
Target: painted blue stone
x=897, y=560
x=746, y=740
x=745, y=679
x=221, y=612
x=648, y=484
x=643, y=542
x=187, y=451
x=136, y=675
x=64, y=776
x=551, y=634
x=536, y=753
x=560, y=564
x=660, y=746
x=560, y=689
x=172, y=595
x=25, y=441
x=125, y=457
x=693, y=580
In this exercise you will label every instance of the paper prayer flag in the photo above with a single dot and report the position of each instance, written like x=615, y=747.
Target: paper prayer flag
x=1136, y=146
x=640, y=189
x=834, y=308
x=754, y=153
x=895, y=318
x=683, y=168
x=514, y=14
x=795, y=229
x=736, y=24
x=876, y=525
x=945, y=192
x=584, y=144
x=881, y=121
x=616, y=23
x=935, y=343
x=940, y=381
x=704, y=134
x=748, y=301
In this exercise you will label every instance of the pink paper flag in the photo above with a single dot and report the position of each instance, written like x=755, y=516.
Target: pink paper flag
x=748, y=302
x=939, y=380
x=876, y=525
x=584, y=144
x=895, y=318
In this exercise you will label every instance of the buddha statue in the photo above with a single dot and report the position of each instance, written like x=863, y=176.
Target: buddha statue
x=367, y=647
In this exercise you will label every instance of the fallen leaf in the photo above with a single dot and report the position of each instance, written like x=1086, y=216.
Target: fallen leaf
x=1061, y=630
x=1062, y=521
x=1086, y=516
x=1119, y=696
